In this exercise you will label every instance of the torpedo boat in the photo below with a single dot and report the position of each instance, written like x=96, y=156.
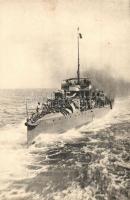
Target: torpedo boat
x=78, y=102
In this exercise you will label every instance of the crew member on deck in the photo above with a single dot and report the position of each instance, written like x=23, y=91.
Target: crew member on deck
x=38, y=107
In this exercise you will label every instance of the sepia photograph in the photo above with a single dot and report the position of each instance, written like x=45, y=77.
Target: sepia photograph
x=64, y=99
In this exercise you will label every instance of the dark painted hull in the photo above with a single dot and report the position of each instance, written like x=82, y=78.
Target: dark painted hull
x=61, y=123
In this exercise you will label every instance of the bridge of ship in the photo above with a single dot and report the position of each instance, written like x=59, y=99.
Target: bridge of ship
x=75, y=84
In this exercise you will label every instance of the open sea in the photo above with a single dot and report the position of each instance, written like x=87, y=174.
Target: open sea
x=89, y=163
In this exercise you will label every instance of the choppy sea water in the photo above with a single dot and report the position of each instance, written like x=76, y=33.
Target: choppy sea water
x=90, y=163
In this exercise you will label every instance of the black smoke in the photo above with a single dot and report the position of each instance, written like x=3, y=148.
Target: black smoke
x=101, y=79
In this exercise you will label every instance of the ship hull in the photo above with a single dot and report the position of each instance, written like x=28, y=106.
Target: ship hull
x=63, y=123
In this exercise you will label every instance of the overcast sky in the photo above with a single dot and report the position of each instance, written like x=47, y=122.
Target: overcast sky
x=38, y=41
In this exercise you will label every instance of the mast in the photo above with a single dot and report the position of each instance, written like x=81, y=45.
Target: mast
x=79, y=36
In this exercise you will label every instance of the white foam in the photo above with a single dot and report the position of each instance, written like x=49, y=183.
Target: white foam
x=14, y=156
x=74, y=192
x=48, y=139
